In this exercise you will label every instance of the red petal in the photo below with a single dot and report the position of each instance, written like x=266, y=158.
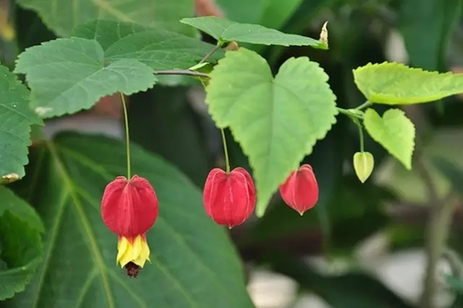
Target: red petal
x=300, y=191
x=129, y=208
x=229, y=199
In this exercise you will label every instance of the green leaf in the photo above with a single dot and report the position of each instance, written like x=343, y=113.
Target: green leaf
x=62, y=17
x=20, y=228
x=277, y=120
x=21, y=252
x=19, y=208
x=427, y=25
x=394, y=131
x=157, y=48
x=394, y=84
x=193, y=262
x=15, y=124
x=225, y=30
x=68, y=75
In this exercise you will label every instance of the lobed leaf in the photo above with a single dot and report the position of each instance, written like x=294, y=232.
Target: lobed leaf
x=395, y=84
x=16, y=119
x=193, y=263
x=394, y=131
x=225, y=30
x=277, y=121
x=68, y=75
x=159, y=49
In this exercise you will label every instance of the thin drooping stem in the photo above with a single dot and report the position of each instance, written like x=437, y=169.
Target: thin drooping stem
x=362, y=143
x=127, y=136
x=225, y=150
x=211, y=52
x=181, y=72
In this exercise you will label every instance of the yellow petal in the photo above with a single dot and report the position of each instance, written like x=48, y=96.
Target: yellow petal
x=136, y=252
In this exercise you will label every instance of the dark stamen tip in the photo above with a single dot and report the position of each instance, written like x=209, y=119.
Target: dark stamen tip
x=132, y=269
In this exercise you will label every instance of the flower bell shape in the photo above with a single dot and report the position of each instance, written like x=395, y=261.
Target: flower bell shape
x=300, y=191
x=364, y=162
x=229, y=198
x=129, y=208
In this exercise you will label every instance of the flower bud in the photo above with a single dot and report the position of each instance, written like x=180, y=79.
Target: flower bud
x=229, y=198
x=363, y=165
x=300, y=190
x=129, y=209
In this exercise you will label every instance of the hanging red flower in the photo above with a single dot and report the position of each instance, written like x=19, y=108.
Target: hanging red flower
x=229, y=198
x=129, y=209
x=300, y=190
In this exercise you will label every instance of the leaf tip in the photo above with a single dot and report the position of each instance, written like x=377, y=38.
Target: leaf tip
x=324, y=35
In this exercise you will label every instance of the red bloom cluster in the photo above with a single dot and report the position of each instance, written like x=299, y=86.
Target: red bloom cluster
x=129, y=208
x=230, y=198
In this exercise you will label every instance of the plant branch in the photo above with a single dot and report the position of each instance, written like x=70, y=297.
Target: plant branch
x=363, y=106
x=181, y=72
x=211, y=52
x=350, y=113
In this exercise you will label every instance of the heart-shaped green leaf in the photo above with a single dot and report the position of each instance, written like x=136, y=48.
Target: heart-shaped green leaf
x=68, y=75
x=277, y=120
x=394, y=131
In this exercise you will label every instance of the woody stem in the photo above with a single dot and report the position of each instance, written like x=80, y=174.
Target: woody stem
x=225, y=149
x=127, y=136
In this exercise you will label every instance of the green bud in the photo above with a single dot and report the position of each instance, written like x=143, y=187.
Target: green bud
x=363, y=165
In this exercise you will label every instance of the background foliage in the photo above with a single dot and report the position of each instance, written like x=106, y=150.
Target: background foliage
x=54, y=249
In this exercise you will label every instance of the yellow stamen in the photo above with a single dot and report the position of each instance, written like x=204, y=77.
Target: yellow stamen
x=136, y=251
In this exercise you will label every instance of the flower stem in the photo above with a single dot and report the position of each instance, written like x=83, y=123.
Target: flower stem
x=127, y=136
x=362, y=144
x=210, y=53
x=225, y=150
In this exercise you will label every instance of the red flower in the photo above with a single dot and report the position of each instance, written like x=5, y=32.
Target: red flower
x=229, y=198
x=300, y=191
x=129, y=209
